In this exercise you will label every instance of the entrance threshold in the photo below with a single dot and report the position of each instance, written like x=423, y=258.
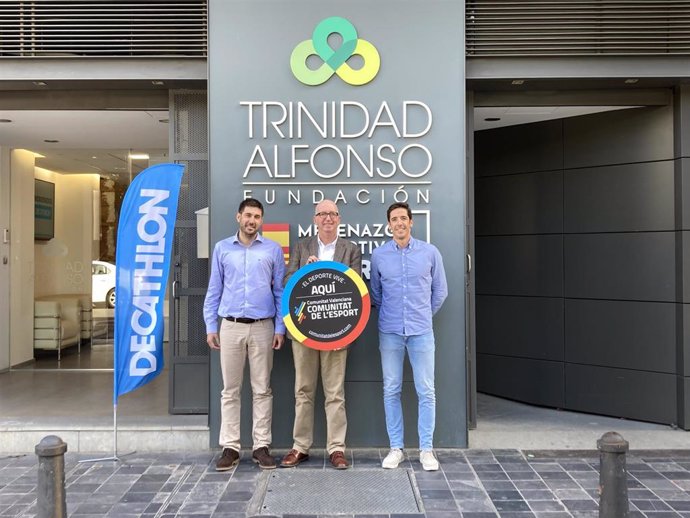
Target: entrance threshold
x=502, y=423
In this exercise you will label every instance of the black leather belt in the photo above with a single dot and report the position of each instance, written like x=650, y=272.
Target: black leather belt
x=242, y=320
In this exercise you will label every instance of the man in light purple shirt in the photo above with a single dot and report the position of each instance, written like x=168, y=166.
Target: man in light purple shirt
x=245, y=289
x=408, y=285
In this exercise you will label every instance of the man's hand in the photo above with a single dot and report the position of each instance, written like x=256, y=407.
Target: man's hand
x=278, y=341
x=312, y=259
x=213, y=340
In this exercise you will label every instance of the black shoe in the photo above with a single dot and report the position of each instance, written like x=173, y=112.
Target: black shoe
x=228, y=460
x=263, y=458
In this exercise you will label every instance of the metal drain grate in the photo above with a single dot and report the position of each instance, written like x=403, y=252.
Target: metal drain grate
x=318, y=492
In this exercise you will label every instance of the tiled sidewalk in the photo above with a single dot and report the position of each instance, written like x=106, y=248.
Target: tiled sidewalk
x=471, y=483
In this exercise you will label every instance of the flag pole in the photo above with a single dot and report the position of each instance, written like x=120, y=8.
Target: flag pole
x=114, y=458
x=115, y=430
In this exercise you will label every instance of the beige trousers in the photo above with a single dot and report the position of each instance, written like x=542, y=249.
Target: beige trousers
x=237, y=343
x=332, y=367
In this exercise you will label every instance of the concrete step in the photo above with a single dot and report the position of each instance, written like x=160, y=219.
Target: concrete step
x=158, y=434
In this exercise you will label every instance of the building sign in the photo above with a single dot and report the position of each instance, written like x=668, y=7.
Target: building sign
x=351, y=150
x=325, y=305
x=355, y=101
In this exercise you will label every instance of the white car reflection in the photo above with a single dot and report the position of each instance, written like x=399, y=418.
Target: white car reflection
x=103, y=283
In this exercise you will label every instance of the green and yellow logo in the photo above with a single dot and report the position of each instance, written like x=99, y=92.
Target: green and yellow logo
x=335, y=61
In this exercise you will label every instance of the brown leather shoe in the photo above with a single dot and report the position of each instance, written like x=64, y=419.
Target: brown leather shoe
x=338, y=460
x=263, y=458
x=293, y=458
x=228, y=460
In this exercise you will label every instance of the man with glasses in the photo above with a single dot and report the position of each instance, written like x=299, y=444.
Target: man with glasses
x=408, y=285
x=325, y=246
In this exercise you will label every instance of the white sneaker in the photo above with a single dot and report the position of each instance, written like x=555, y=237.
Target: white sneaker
x=393, y=459
x=428, y=460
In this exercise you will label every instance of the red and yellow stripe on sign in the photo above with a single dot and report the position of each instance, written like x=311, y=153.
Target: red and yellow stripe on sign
x=280, y=233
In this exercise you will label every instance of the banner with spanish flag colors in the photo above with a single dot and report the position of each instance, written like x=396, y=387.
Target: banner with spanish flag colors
x=280, y=233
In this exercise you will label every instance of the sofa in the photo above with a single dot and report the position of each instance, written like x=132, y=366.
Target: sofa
x=61, y=321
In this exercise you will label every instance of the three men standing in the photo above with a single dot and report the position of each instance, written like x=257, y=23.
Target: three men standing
x=408, y=285
x=245, y=289
x=325, y=246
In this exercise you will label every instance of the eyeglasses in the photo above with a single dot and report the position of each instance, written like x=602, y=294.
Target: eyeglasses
x=325, y=215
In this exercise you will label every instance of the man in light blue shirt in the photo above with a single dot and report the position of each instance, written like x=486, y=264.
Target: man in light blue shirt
x=245, y=289
x=408, y=285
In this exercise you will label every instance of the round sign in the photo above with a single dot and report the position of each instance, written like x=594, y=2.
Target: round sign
x=325, y=305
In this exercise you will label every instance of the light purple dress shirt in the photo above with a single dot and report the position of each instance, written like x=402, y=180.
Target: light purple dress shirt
x=246, y=281
x=408, y=285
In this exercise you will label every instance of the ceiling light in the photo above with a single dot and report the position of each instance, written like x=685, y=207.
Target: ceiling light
x=517, y=82
x=51, y=141
x=492, y=119
x=139, y=156
x=164, y=121
x=158, y=83
x=5, y=121
x=94, y=157
x=631, y=81
x=40, y=83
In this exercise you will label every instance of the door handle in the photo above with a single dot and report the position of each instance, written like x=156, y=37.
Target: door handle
x=174, y=289
x=5, y=235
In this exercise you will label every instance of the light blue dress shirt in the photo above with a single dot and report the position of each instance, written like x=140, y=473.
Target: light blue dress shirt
x=408, y=285
x=246, y=281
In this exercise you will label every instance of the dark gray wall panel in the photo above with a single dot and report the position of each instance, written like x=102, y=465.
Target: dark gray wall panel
x=519, y=149
x=528, y=327
x=620, y=198
x=614, y=257
x=681, y=101
x=685, y=236
x=188, y=392
x=520, y=204
x=620, y=266
x=532, y=381
x=619, y=137
x=363, y=361
x=623, y=334
x=647, y=396
x=520, y=265
x=683, y=171
x=684, y=359
x=684, y=391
